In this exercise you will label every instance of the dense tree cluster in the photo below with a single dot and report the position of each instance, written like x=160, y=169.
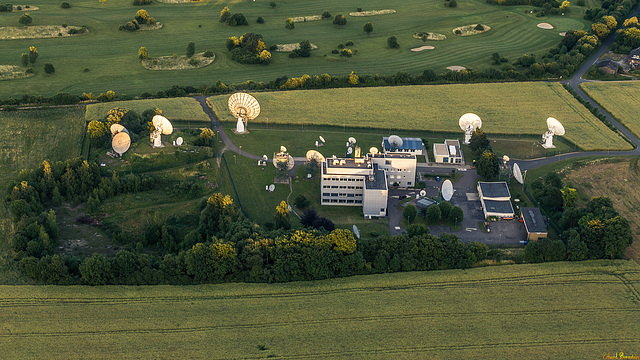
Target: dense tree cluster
x=628, y=37
x=142, y=18
x=248, y=49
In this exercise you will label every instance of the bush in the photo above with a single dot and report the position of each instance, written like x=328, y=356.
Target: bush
x=193, y=62
x=340, y=46
x=208, y=54
x=25, y=19
x=326, y=15
x=65, y=5
x=260, y=20
x=191, y=49
x=451, y=3
x=457, y=32
x=82, y=30
x=479, y=27
x=272, y=4
x=49, y=69
x=142, y=2
x=301, y=201
x=340, y=20
x=349, y=43
x=392, y=41
x=238, y=20
x=335, y=51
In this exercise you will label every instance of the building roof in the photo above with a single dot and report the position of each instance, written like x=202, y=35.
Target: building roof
x=609, y=64
x=450, y=142
x=635, y=51
x=379, y=181
x=425, y=203
x=346, y=163
x=440, y=150
x=407, y=144
x=494, y=189
x=498, y=206
x=533, y=220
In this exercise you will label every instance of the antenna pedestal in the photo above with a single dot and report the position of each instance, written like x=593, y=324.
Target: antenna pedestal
x=467, y=139
x=548, y=141
x=240, y=128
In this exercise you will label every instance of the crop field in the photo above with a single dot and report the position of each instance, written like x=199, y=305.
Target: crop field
x=620, y=99
x=509, y=108
x=107, y=59
x=554, y=310
x=187, y=109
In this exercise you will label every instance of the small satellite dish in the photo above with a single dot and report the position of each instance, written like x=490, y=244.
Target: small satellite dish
x=315, y=155
x=272, y=188
x=423, y=193
x=554, y=128
x=179, y=141
x=356, y=232
x=265, y=157
x=116, y=128
x=447, y=190
x=395, y=141
x=374, y=151
x=352, y=140
x=321, y=139
x=517, y=174
x=283, y=149
x=349, y=151
x=121, y=142
x=469, y=122
x=505, y=158
x=243, y=107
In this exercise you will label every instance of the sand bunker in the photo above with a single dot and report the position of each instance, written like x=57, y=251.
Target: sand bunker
x=291, y=47
x=470, y=30
x=37, y=32
x=176, y=62
x=423, y=48
x=564, y=33
x=430, y=36
x=306, y=18
x=8, y=72
x=456, y=68
x=373, y=12
x=546, y=26
x=146, y=27
x=25, y=8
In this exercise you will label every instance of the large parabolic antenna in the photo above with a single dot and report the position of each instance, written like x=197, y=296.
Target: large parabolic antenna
x=161, y=126
x=374, y=151
x=447, y=190
x=395, y=142
x=243, y=107
x=554, y=128
x=121, y=140
x=283, y=158
x=517, y=174
x=314, y=155
x=469, y=123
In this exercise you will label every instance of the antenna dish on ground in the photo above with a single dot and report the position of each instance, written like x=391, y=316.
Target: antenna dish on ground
x=352, y=140
x=395, y=141
x=283, y=149
x=447, y=190
x=356, y=232
x=116, y=128
x=374, y=151
x=272, y=187
x=517, y=174
x=121, y=142
x=554, y=128
x=243, y=107
x=349, y=151
x=469, y=122
x=179, y=141
x=321, y=139
x=505, y=158
x=162, y=126
x=423, y=193
x=265, y=157
x=315, y=155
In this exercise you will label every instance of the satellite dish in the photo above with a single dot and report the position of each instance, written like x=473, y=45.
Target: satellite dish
x=356, y=232
x=162, y=126
x=121, y=142
x=505, y=158
x=315, y=155
x=517, y=174
x=423, y=193
x=554, y=128
x=116, y=128
x=395, y=141
x=352, y=140
x=243, y=107
x=265, y=157
x=374, y=151
x=447, y=190
x=283, y=149
x=349, y=151
x=272, y=187
x=179, y=141
x=321, y=139
x=469, y=122
x=284, y=158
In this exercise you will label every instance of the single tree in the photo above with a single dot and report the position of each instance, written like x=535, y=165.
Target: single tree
x=289, y=25
x=24, y=59
x=488, y=166
x=479, y=143
x=445, y=208
x=191, y=49
x=143, y=53
x=456, y=215
x=260, y=20
x=49, y=69
x=368, y=28
x=33, y=54
x=272, y=4
x=409, y=213
x=340, y=20
x=433, y=214
x=326, y=15
x=301, y=201
x=281, y=217
x=224, y=15
x=25, y=19
x=392, y=41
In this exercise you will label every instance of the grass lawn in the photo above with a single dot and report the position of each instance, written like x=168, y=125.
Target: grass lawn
x=553, y=310
x=186, y=109
x=508, y=108
x=110, y=56
x=620, y=99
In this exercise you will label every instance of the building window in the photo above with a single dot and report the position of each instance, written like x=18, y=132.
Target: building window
x=350, y=201
x=342, y=201
x=334, y=200
x=358, y=195
x=382, y=210
x=458, y=161
x=358, y=201
x=408, y=182
x=445, y=159
x=334, y=194
x=334, y=186
x=351, y=195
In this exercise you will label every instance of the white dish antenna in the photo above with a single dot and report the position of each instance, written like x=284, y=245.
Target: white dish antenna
x=505, y=158
x=395, y=141
x=374, y=151
x=162, y=126
x=321, y=139
x=554, y=128
x=121, y=142
x=265, y=157
x=423, y=193
x=315, y=155
x=179, y=141
x=447, y=190
x=517, y=173
x=116, y=128
x=356, y=232
x=352, y=140
x=243, y=107
x=469, y=122
x=272, y=188
x=283, y=149
x=349, y=151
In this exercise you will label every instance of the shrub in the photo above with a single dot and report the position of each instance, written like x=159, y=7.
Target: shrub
x=346, y=53
x=451, y=3
x=49, y=69
x=82, y=30
x=65, y=5
x=64, y=25
x=392, y=41
x=340, y=20
x=340, y=46
x=458, y=32
x=260, y=20
x=25, y=19
x=273, y=5
x=359, y=9
x=349, y=43
x=193, y=62
x=143, y=53
x=238, y=20
x=191, y=49
x=326, y=15
x=208, y=54
x=301, y=201
x=142, y=2
x=479, y=27
x=335, y=51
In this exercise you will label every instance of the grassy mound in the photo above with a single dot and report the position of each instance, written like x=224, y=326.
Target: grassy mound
x=8, y=72
x=470, y=30
x=430, y=36
x=177, y=62
x=38, y=32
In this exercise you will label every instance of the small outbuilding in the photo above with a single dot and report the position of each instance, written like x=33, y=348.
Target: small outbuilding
x=447, y=153
x=609, y=66
x=495, y=199
x=410, y=145
x=534, y=223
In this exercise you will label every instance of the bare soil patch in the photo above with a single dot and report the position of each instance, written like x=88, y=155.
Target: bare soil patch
x=430, y=36
x=456, y=68
x=37, y=32
x=155, y=26
x=82, y=239
x=25, y=8
x=545, y=26
x=621, y=183
x=373, y=12
x=8, y=72
x=306, y=18
x=291, y=47
x=470, y=30
x=177, y=62
x=426, y=47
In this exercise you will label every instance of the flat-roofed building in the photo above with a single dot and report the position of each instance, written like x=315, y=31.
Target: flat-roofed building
x=447, y=153
x=534, y=223
x=410, y=145
x=400, y=168
x=495, y=199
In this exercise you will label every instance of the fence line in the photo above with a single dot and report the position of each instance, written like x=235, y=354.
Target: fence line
x=224, y=159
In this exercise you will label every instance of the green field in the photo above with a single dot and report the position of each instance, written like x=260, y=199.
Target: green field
x=509, y=108
x=111, y=61
x=554, y=310
x=620, y=99
x=187, y=109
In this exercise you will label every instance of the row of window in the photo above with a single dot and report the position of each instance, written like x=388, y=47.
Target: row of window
x=342, y=194
x=342, y=187
x=342, y=201
x=452, y=160
x=326, y=178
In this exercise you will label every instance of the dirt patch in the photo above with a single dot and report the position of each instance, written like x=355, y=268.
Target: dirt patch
x=426, y=47
x=621, y=183
x=37, y=32
x=456, y=68
x=291, y=47
x=8, y=72
x=25, y=8
x=81, y=239
x=306, y=18
x=155, y=26
x=470, y=30
x=430, y=36
x=373, y=12
x=545, y=26
x=177, y=62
